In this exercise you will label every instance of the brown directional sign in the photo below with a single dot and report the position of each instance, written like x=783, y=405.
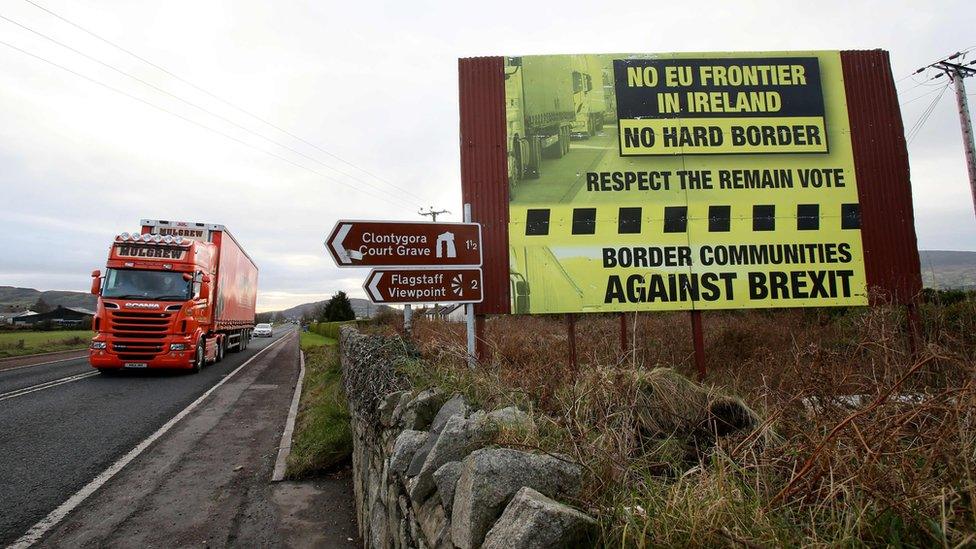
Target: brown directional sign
x=404, y=244
x=424, y=285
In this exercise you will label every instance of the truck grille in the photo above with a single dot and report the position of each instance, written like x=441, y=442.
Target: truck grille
x=137, y=335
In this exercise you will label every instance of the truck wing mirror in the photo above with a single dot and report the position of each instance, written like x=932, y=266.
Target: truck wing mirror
x=204, y=280
x=96, y=285
x=187, y=277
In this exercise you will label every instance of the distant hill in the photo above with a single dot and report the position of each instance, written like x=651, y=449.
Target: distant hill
x=947, y=269
x=19, y=299
x=362, y=308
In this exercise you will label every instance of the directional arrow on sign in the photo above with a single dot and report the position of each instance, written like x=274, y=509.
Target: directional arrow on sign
x=404, y=244
x=424, y=285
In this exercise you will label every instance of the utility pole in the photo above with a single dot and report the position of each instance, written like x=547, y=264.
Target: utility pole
x=407, y=309
x=430, y=211
x=956, y=73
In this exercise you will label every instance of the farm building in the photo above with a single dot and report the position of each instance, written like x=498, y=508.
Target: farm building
x=62, y=316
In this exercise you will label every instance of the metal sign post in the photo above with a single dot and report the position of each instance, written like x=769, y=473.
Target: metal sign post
x=469, y=311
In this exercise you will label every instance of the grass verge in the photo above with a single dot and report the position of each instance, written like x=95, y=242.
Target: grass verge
x=322, y=438
x=23, y=343
x=310, y=340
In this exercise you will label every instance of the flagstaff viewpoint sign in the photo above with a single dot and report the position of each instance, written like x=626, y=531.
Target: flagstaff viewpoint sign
x=654, y=182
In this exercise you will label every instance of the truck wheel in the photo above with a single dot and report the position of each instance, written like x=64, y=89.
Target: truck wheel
x=199, y=358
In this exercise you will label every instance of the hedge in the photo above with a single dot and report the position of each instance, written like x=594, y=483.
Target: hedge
x=328, y=329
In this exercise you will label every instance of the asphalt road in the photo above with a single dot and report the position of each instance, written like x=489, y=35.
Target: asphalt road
x=55, y=438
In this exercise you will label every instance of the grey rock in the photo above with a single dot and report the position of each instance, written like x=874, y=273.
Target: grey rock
x=433, y=523
x=459, y=438
x=511, y=417
x=406, y=445
x=489, y=479
x=388, y=405
x=378, y=534
x=401, y=406
x=533, y=521
x=453, y=407
x=446, y=477
x=420, y=412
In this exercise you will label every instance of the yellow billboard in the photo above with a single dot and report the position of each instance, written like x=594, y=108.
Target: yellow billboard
x=652, y=182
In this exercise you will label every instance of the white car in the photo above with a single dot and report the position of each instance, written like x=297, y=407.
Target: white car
x=263, y=330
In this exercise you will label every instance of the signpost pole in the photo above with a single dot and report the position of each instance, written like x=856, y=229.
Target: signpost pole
x=698, y=340
x=469, y=310
x=407, y=319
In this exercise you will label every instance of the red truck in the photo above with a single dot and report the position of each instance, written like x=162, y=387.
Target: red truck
x=177, y=295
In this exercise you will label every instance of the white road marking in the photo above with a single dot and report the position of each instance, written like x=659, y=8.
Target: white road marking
x=45, y=385
x=285, y=447
x=54, y=517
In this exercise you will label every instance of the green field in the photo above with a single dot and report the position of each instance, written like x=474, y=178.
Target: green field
x=311, y=339
x=22, y=343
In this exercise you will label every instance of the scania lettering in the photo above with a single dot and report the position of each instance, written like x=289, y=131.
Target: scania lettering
x=174, y=295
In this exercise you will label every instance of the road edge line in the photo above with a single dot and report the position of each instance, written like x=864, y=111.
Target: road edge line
x=284, y=448
x=11, y=369
x=34, y=534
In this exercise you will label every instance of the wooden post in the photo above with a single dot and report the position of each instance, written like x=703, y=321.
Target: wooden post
x=624, y=347
x=571, y=330
x=698, y=339
x=481, y=343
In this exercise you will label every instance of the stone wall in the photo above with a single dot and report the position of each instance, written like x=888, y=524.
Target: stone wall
x=426, y=472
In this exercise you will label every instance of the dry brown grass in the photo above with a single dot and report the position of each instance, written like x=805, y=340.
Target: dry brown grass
x=894, y=465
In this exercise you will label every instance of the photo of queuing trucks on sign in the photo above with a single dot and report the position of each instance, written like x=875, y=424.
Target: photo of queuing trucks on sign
x=175, y=295
x=548, y=104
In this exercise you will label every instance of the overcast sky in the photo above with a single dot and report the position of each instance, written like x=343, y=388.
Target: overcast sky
x=372, y=83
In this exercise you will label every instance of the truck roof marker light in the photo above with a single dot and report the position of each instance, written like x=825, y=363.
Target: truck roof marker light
x=168, y=239
x=178, y=240
x=157, y=239
x=129, y=264
x=147, y=237
x=123, y=237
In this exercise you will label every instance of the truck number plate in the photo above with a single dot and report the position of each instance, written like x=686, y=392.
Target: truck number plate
x=136, y=365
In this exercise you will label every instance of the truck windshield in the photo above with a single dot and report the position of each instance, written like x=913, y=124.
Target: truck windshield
x=153, y=285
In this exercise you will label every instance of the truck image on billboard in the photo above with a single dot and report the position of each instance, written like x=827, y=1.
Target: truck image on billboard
x=681, y=181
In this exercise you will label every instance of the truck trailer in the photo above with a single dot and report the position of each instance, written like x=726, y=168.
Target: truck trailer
x=588, y=96
x=174, y=295
x=539, y=111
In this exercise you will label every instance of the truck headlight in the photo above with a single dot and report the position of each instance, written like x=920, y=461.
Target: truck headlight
x=177, y=346
x=98, y=345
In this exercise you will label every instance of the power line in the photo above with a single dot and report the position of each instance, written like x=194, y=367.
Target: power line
x=926, y=94
x=194, y=122
x=194, y=105
x=916, y=129
x=218, y=98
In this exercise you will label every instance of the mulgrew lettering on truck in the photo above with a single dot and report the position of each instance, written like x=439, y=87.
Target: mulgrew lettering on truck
x=176, y=295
